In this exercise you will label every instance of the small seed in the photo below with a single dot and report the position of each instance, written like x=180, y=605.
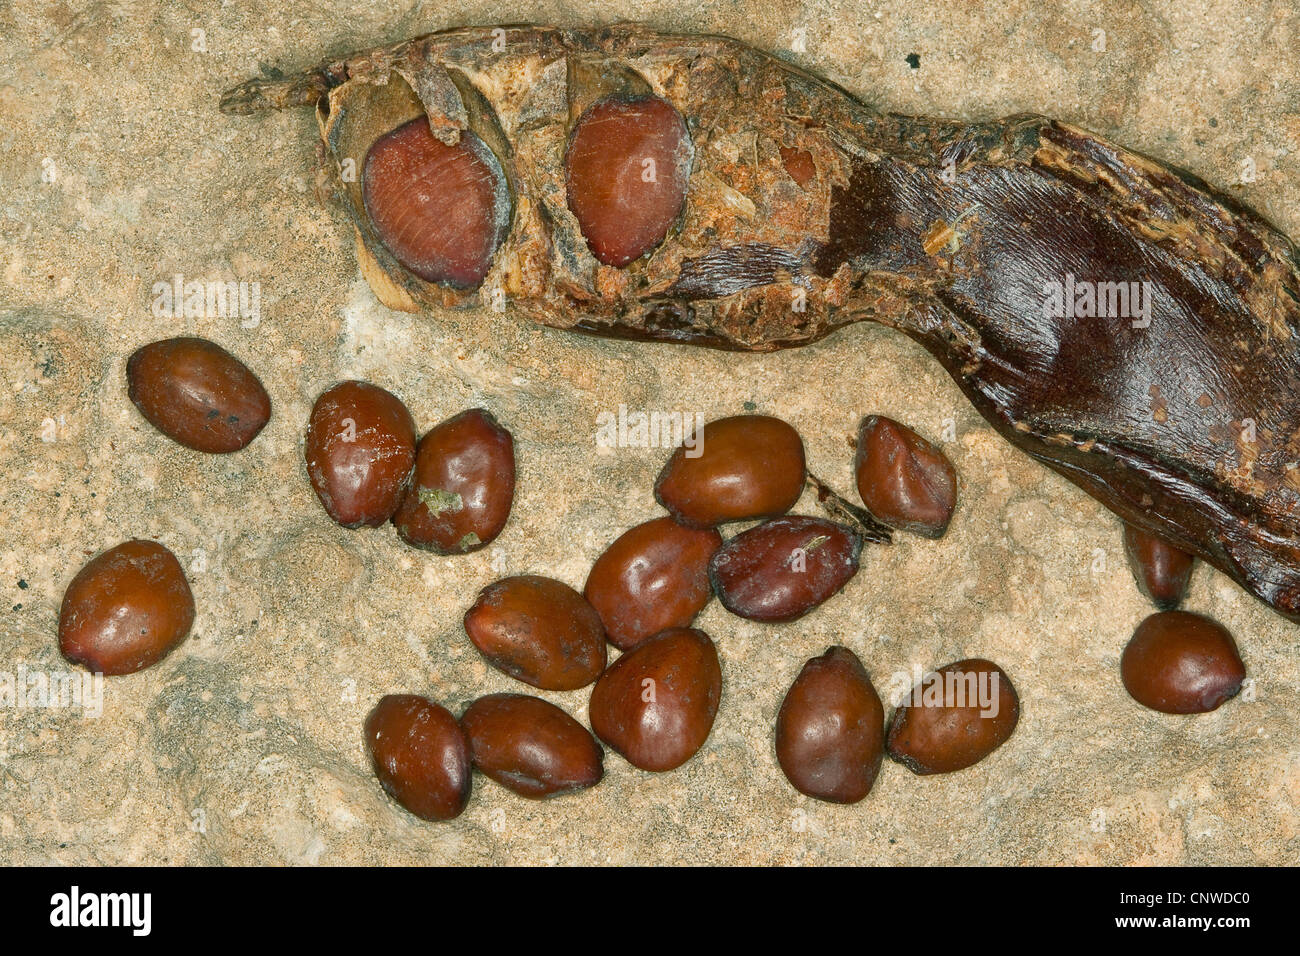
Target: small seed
x=420, y=755
x=904, y=481
x=531, y=746
x=1181, y=663
x=954, y=717
x=1162, y=571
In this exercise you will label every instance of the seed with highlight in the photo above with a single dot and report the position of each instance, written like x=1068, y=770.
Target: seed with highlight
x=830, y=731
x=197, y=393
x=464, y=484
x=627, y=168
x=420, y=755
x=531, y=746
x=904, y=481
x=441, y=210
x=955, y=717
x=1181, y=663
x=1162, y=571
x=126, y=609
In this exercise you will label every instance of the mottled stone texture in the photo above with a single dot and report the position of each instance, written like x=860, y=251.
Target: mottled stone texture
x=244, y=746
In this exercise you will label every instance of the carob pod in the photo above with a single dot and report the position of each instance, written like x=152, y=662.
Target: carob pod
x=1038, y=262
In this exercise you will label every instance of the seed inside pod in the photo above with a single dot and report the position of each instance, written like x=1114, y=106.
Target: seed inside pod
x=653, y=577
x=464, y=484
x=198, y=394
x=531, y=746
x=420, y=755
x=126, y=609
x=746, y=466
x=904, y=481
x=627, y=168
x=441, y=210
x=360, y=452
x=539, y=631
x=655, y=705
x=955, y=717
x=1181, y=663
x=1162, y=571
x=783, y=568
x=830, y=731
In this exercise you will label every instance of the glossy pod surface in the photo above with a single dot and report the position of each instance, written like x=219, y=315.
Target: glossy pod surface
x=1181, y=663
x=954, y=718
x=904, y=481
x=1161, y=570
x=420, y=755
x=531, y=746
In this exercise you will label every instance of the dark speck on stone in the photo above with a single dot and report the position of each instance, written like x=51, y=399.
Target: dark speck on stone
x=22, y=584
x=914, y=60
x=750, y=407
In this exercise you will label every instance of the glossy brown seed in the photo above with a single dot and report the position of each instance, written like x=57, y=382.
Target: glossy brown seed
x=783, y=568
x=1181, y=663
x=531, y=746
x=538, y=630
x=441, y=210
x=830, y=731
x=655, y=705
x=125, y=609
x=360, y=452
x=747, y=466
x=464, y=484
x=197, y=393
x=1162, y=571
x=654, y=576
x=904, y=481
x=627, y=168
x=954, y=717
x=420, y=755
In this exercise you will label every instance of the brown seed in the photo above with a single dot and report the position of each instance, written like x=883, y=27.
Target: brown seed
x=1181, y=663
x=904, y=481
x=539, y=631
x=531, y=746
x=441, y=210
x=360, y=452
x=197, y=393
x=783, y=568
x=747, y=466
x=126, y=609
x=1161, y=570
x=799, y=164
x=830, y=731
x=420, y=755
x=654, y=576
x=463, y=486
x=627, y=168
x=655, y=705
x=954, y=717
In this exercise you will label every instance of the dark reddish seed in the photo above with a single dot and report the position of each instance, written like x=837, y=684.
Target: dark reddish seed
x=954, y=718
x=197, y=393
x=1162, y=571
x=464, y=484
x=126, y=609
x=799, y=164
x=904, y=481
x=1181, y=663
x=830, y=731
x=783, y=568
x=441, y=210
x=654, y=576
x=627, y=168
x=655, y=705
x=420, y=755
x=538, y=630
x=531, y=746
x=360, y=452
x=747, y=466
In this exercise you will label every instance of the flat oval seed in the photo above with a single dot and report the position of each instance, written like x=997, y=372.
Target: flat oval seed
x=1181, y=663
x=954, y=718
x=126, y=609
x=464, y=484
x=746, y=466
x=627, y=168
x=904, y=481
x=830, y=731
x=655, y=705
x=539, y=631
x=531, y=746
x=783, y=568
x=1162, y=571
x=360, y=452
x=198, y=394
x=420, y=755
x=654, y=576
x=441, y=210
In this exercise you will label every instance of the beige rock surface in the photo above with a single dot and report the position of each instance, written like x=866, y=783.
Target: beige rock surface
x=244, y=745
